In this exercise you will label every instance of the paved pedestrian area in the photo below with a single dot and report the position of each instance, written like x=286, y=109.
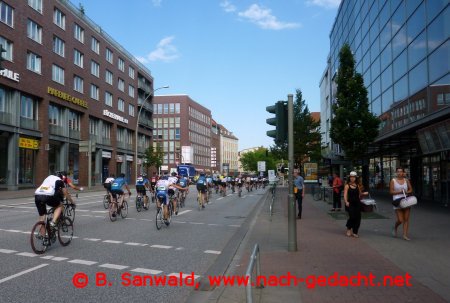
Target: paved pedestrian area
x=324, y=250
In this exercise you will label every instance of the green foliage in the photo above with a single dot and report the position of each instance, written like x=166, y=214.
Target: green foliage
x=154, y=157
x=353, y=126
x=250, y=160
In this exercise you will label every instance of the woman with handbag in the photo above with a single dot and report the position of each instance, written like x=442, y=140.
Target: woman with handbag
x=352, y=197
x=398, y=188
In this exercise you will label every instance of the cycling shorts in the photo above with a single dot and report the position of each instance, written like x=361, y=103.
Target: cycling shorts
x=162, y=196
x=41, y=201
x=141, y=190
x=201, y=188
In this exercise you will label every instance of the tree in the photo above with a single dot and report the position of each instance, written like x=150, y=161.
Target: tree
x=306, y=135
x=250, y=160
x=154, y=157
x=353, y=127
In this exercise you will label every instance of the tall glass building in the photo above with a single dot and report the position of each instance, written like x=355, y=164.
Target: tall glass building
x=402, y=49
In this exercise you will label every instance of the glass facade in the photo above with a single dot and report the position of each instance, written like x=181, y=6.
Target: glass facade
x=402, y=50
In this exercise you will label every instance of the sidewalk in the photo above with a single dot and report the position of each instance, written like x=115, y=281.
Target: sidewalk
x=323, y=249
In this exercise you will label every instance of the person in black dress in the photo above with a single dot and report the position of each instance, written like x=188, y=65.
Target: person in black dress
x=352, y=197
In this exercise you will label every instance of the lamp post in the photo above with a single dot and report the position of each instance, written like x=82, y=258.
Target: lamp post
x=137, y=126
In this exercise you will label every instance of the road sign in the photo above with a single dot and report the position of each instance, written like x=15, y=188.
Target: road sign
x=272, y=176
x=261, y=166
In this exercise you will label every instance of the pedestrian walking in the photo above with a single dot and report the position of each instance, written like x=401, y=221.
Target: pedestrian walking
x=337, y=189
x=398, y=187
x=299, y=192
x=353, y=192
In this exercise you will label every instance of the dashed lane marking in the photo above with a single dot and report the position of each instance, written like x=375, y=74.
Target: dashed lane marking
x=113, y=266
x=83, y=262
x=7, y=251
x=161, y=246
x=184, y=211
x=146, y=271
x=112, y=241
x=216, y=252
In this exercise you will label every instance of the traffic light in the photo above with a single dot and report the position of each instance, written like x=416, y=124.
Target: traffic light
x=2, y=50
x=280, y=121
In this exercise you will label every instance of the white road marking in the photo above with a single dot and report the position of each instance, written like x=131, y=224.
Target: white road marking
x=100, y=211
x=7, y=251
x=183, y=275
x=130, y=219
x=184, y=211
x=182, y=222
x=219, y=198
x=13, y=230
x=57, y=258
x=27, y=254
x=234, y=225
x=22, y=273
x=146, y=271
x=84, y=262
x=146, y=220
x=196, y=223
x=216, y=252
x=213, y=224
x=92, y=239
x=135, y=244
x=112, y=241
x=161, y=246
x=113, y=266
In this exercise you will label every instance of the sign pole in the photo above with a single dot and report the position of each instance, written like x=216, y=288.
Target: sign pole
x=292, y=222
x=89, y=163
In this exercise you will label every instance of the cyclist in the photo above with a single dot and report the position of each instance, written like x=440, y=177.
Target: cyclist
x=184, y=183
x=223, y=185
x=209, y=186
x=202, y=188
x=116, y=189
x=173, y=179
x=107, y=184
x=239, y=182
x=230, y=181
x=68, y=183
x=51, y=192
x=142, y=184
x=153, y=181
x=163, y=188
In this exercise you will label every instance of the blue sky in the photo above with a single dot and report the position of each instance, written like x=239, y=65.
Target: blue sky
x=233, y=57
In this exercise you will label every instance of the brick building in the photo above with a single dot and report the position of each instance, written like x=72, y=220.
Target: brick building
x=67, y=83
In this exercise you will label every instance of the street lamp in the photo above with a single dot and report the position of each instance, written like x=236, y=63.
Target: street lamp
x=137, y=126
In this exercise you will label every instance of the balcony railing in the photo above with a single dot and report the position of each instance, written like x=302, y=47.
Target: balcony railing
x=74, y=134
x=56, y=130
x=5, y=118
x=94, y=138
x=146, y=122
x=106, y=141
x=147, y=105
x=121, y=144
x=28, y=123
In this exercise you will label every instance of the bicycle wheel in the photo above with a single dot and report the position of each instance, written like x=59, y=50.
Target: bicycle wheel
x=113, y=211
x=159, y=218
x=124, y=211
x=65, y=231
x=106, y=200
x=69, y=212
x=138, y=203
x=37, y=240
x=317, y=195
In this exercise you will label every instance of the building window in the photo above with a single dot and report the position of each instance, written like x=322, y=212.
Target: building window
x=131, y=72
x=95, y=92
x=78, y=58
x=8, y=47
x=95, y=69
x=109, y=55
x=74, y=121
x=58, y=74
x=120, y=134
x=59, y=18
x=34, y=62
x=6, y=14
x=95, y=45
x=121, y=105
x=36, y=5
x=131, y=110
x=108, y=98
x=177, y=108
x=93, y=127
x=109, y=77
x=131, y=91
x=34, y=31
x=54, y=115
x=166, y=108
x=78, y=84
x=27, y=107
x=106, y=130
x=121, y=85
x=78, y=33
x=58, y=46
x=121, y=64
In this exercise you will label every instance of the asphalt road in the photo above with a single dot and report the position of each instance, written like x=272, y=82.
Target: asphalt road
x=105, y=257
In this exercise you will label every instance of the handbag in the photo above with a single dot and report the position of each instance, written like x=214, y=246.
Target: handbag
x=368, y=204
x=408, y=201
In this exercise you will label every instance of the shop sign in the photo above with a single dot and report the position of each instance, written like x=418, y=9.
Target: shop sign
x=28, y=143
x=119, y=158
x=10, y=74
x=106, y=154
x=66, y=97
x=129, y=158
x=114, y=116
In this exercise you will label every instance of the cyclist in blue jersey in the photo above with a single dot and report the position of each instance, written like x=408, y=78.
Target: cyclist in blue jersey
x=142, y=185
x=202, y=188
x=116, y=189
x=184, y=183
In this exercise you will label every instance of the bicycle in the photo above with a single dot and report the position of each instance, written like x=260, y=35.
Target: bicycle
x=239, y=191
x=199, y=200
x=139, y=203
x=106, y=200
x=42, y=235
x=160, y=214
x=317, y=193
x=69, y=210
x=115, y=210
x=273, y=191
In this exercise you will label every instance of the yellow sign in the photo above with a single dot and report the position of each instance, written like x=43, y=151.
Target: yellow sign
x=310, y=171
x=66, y=97
x=28, y=143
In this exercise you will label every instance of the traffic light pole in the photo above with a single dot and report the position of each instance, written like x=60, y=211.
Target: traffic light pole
x=292, y=222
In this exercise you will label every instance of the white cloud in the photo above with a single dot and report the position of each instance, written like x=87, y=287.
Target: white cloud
x=325, y=3
x=227, y=6
x=165, y=51
x=156, y=2
x=263, y=18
